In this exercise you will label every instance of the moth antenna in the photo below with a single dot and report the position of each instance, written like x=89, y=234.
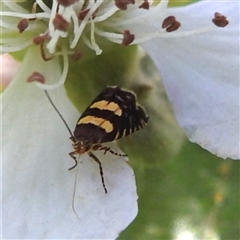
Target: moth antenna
x=72, y=137
x=59, y=114
x=74, y=192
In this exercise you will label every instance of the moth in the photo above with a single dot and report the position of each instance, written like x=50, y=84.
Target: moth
x=113, y=114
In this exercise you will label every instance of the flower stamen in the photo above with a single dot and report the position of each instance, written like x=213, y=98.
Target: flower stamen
x=41, y=38
x=43, y=6
x=122, y=4
x=171, y=24
x=36, y=77
x=80, y=29
x=44, y=57
x=76, y=55
x=93, y=41
x=60, y=23
x=145, y=5
x=63, y=75
x=69, y=24
x=127, y=38
x=84, y=12
x=52, y=16
x=220, y=20
x=107, y=14
x=22, y=25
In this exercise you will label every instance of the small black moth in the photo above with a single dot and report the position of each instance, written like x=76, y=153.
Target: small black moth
x=113, y=114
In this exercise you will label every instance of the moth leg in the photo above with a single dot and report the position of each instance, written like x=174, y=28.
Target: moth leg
x=100, y=169
x=108, y=149
x=73, y=156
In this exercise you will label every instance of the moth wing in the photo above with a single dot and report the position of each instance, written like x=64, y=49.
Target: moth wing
x=113, y=114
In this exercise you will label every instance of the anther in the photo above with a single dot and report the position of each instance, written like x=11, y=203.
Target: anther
x=36, y=77
x=171, y=24
x=145, y=5
x=220, y=20
x=60, y=23
x=38, y=40
x=76, y=55
x=122, y=4
x=41, y=38
x=127, y=38
x=66, y=3
x=22, y=25
x=84, y=12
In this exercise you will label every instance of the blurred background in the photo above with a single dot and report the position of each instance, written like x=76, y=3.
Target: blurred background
x=194, y=195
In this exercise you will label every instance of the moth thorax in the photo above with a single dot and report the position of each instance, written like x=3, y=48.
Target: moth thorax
x=82, y=145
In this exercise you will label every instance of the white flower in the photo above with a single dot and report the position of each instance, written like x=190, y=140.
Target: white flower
x=198, y=64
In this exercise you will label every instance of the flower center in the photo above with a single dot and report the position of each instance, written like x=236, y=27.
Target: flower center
x=67, y=25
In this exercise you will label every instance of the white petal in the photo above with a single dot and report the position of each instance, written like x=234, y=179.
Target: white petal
x=201, y=76
x=37, y=186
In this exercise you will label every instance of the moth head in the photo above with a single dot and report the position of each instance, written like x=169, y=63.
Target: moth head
x=82, y=145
